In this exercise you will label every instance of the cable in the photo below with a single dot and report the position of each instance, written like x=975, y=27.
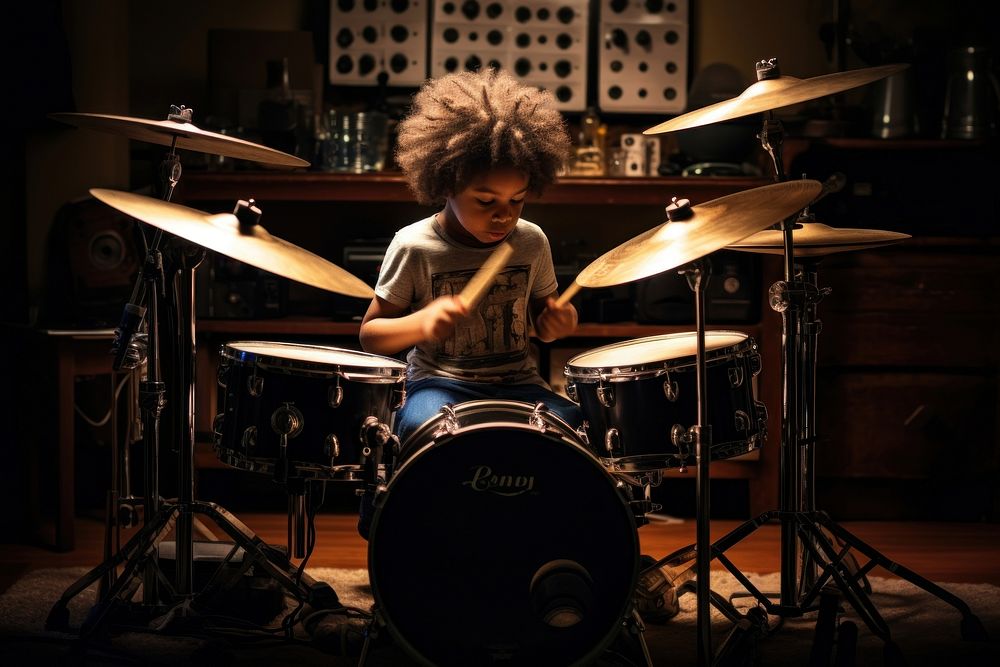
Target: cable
x=97, y=423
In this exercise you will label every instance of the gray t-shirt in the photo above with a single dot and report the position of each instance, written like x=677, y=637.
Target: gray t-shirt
x=423, y=263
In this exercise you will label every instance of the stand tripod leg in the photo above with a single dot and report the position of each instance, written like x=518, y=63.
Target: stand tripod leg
x=971, y=627
x=134, y=553
x=301, y=586
x=631, y=642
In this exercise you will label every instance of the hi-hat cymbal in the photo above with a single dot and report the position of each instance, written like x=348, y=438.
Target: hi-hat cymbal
x=187, y=135
x=711, y=226
x=222, y=233
x=775, y=93
x=814, y=239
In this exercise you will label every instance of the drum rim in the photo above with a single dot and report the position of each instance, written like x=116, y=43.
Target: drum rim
x=625, y=373
x=379, y=373
x=474, y=407
x=266, y=466
x=379, y=608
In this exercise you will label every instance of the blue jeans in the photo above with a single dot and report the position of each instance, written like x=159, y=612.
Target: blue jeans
x=425, y=398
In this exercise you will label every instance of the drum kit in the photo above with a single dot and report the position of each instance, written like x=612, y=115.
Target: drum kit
x=497, y=515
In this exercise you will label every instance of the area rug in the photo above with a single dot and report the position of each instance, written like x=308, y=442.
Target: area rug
x=925, y=629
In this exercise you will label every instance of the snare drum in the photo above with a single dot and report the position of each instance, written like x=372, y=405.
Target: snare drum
x=319, y=397
x=634, y=393
x=501, y=538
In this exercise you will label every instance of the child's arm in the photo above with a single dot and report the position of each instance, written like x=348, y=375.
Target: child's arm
x=551, y=320
x=387, y=328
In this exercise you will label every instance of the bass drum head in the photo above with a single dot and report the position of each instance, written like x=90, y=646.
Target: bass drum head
x=501, y=543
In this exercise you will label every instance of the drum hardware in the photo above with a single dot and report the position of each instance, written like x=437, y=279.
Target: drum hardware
x=537, y=419
x=612, y=441
x=335, y=396
x=671, y=390
x=796, y=298
x=331, y=447
x=249, y=242
x=287, y=422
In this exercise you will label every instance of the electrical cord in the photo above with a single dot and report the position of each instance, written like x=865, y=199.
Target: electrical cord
x=97, y=423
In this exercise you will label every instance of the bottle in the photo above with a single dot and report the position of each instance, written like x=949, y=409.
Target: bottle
x=278, y=114
x=589, y=150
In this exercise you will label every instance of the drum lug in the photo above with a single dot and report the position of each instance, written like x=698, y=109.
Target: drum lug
x=255, y=385
x=250, y=437
x=755, y=365
x=335, y=395
x=571, y=392
x=612, y=440
x=536, y=418
x=222, y=375
x=671, y=389
x=287, y=420
x=374, y=431
x=331, y=447
x=735, y=377
x=761, y=418
x=398, y=398
x=581, y=431
x=742, y=421
x=681, y=439
x=606, y=395
x=217, y=427
x=449, y=421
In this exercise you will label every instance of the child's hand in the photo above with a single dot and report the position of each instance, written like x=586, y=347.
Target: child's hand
x=555, y=321
x=440, y=317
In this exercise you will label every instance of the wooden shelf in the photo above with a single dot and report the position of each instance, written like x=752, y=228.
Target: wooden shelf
x=390, y=187
x=318, y=326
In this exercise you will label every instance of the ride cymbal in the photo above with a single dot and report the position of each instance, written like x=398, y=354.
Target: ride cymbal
x=814, y=239
x=187, y=136
x=775, y=93
x=710, y=226
x=223, y=233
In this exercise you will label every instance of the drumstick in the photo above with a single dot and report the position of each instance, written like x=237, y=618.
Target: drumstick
x=476, y=288
x=570, y=292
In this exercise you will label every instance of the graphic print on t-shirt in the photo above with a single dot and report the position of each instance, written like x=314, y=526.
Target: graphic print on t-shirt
x=496, y=332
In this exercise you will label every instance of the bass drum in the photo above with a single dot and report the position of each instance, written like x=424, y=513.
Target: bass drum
x=501, y=539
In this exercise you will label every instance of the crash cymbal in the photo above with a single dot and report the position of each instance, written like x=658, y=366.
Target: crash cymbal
x=188, y=136
x=711, y=226
x=775, y=93
x=222, y=233
x=814, y=239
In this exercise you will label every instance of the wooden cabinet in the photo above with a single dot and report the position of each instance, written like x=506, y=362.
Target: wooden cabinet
x=908, y=380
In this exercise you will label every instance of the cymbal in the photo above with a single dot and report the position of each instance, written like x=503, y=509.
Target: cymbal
x=814, y=239
x=188, y=136
x=712, y=225
x=775, y=93
x=221, y=232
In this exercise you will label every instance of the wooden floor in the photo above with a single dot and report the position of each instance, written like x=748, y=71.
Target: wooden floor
x=944, y=552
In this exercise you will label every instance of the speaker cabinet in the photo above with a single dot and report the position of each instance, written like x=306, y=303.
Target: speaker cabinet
x=92, y=265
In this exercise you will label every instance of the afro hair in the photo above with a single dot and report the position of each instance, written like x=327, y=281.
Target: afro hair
x=468, y=122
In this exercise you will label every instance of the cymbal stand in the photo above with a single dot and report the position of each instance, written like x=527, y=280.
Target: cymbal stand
x=131, y=349
x=138, y=554
x=700, y=435
x=802, y=526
